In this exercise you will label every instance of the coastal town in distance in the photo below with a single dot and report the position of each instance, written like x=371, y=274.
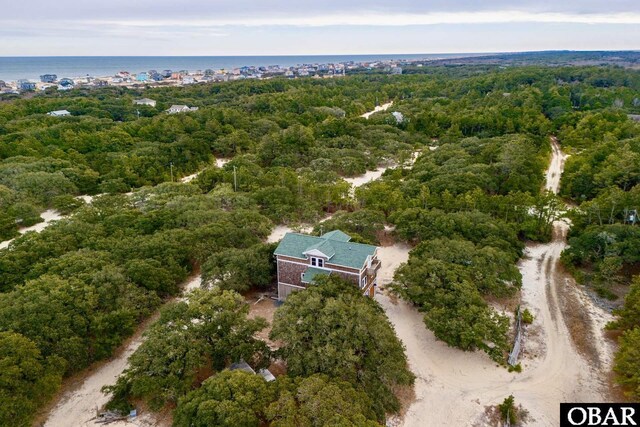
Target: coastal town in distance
x=187, y=77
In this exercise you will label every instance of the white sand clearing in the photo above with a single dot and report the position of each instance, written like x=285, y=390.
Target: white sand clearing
x=383, y=107
x=47, y=216
x=219, y=162
x=280, y=230
x=454, y=387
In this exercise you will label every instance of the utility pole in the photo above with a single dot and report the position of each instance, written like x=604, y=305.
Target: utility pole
x=235, y=180
x=171, y=166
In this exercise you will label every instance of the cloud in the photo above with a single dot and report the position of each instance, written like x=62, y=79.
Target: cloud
x=397, y=19
x=257, y=27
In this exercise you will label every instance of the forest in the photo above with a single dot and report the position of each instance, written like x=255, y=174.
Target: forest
x=71, y=294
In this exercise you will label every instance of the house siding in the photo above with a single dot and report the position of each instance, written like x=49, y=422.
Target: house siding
x=291, y=273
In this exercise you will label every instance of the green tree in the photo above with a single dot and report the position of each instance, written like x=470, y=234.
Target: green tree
x=332, y=329
x=627, y=362
x=27, y=379
x=241, y=269
x=227, y=399
x=208, y=331
x=318, y=401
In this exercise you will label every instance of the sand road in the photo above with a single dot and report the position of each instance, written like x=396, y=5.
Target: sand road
x=454, y=387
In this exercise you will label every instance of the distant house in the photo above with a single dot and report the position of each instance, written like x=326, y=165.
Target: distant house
x=59, y=113
x=48, y=78
x=181, y=109
x=300, y=258
x=188, y=80
x=142, y=77
x=100, y=83
x=396, y=70
x=26, y=85
x=66, y=84
x=145, y=101
x=166, y=74
x=2, y=84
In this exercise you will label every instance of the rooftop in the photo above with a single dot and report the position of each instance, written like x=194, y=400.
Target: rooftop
x=334, y=245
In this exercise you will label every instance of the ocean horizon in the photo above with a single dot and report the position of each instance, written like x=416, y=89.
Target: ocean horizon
x=13, y=68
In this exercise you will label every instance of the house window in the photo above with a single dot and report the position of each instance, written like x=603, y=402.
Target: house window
x=317, y=262
x=363, y=282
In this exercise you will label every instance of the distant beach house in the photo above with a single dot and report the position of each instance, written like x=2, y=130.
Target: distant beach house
x=59, y=113
x=66, y=84
x=142, y=77
x=145, y=101
x=26, y=85
x=48, y=78
x=174, y=109
x=300, y=258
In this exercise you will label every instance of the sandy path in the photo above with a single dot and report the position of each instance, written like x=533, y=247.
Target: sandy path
x=454, y=387
x=219, y=162
x=77, y=406
x=379, y=108
x=47, y=216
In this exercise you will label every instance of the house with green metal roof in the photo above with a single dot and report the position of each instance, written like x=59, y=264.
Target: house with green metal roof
x=301, y=258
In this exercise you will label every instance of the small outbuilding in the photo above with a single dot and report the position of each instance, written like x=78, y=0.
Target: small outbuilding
x=145, y=101
x=59, y=113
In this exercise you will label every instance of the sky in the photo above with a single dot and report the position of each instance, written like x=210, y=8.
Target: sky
x=290, y=27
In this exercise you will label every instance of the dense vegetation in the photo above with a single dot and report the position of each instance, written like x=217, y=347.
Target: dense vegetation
x=71, y=294
x=602, y=177
x=199, y=337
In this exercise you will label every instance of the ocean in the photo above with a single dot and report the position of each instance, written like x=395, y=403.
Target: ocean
x=32, y=67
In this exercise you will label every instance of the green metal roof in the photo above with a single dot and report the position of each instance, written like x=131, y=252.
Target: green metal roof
x=311, y=273
x=345, y=253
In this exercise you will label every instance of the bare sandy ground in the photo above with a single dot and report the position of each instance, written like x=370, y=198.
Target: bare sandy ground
x=454, y=387
x=47, y=216
x=383, y=107
x=219, y=162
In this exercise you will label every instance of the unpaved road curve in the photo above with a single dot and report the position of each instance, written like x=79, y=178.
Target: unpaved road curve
x=383, y=107
x=454, y=387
